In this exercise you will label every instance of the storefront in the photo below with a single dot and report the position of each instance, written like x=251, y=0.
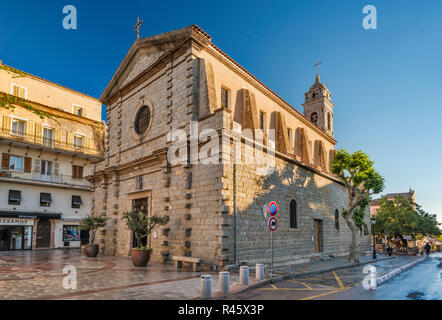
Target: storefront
x=25, y=230
x=16, y=233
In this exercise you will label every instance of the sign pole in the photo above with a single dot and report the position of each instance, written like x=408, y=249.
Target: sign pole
x=271, y=274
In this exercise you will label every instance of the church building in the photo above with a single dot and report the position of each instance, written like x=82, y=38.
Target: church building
x=168, y=83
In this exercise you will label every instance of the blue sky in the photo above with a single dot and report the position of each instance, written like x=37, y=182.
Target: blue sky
x=386, y=83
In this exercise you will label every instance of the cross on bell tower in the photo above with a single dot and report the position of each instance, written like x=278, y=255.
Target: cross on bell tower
x=318, y=107
x=137, y=27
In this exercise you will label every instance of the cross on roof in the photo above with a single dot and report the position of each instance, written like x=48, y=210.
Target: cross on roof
x=137, y=27
x=317, y=66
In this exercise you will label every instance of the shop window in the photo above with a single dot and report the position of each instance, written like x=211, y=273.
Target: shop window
x=71, y=233
x=45, y=199
x=76, y=202
x=14, y=197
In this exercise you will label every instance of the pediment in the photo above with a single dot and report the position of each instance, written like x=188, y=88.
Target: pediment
x=143, y=53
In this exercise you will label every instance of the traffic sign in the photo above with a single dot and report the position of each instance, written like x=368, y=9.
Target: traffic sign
x=273, y=224
x=265, y=211
x=273, y=208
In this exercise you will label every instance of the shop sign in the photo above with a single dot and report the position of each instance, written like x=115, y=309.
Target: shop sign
x=16, y=222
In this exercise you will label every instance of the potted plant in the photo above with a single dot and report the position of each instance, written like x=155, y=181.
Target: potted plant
x=142, y=225
x=91, y=223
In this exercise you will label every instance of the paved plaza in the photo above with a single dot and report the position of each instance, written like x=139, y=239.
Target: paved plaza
x=39, y=275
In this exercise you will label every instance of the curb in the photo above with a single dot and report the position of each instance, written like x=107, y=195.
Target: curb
x=285, y=277
x=345, y=266
x=395, y=272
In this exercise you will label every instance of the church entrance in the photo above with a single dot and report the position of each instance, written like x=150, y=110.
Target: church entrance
x=318, y=236
x=140, y=205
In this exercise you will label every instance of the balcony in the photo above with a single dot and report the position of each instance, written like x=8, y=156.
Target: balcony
x=59, y=180
x=64, y=141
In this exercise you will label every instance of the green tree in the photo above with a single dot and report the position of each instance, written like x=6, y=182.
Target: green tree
x=401, y=217
x=92, y=223
x=361, y=181
x=141, y=224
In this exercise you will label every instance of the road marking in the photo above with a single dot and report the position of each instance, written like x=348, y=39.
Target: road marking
x=296, y=289
x=338, y=280
x=274, y=287
x=322, y=294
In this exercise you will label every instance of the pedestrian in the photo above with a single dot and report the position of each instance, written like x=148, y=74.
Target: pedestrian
x=389, y=250
x=427, y=248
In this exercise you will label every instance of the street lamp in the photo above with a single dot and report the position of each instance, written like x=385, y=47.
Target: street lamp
x=373, y=222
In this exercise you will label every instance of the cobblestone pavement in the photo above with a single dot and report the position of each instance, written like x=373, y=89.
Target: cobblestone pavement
x=319, y=285
x=39, y=275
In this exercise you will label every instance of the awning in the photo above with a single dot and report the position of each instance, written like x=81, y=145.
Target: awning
x=76, y=200
x=45, y=197
x=14, y=195
x=29, y=215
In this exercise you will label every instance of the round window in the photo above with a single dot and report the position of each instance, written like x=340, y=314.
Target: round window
x=142, y=120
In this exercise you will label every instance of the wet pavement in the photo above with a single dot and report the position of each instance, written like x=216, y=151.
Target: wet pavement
x=334, y=285
x=422, y=282
x=39, y=275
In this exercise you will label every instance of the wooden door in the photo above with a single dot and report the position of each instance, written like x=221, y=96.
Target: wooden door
x=318, y=235
x=43, y=234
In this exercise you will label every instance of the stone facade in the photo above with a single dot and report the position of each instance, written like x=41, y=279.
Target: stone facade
x=180, y=76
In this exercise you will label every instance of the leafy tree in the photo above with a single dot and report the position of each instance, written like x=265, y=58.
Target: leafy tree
x=361, y=181
x=92, y=223
x=400, y=216
x=141, y=224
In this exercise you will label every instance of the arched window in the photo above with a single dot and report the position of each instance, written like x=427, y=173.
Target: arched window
x=336, y=219
x=328, y=121
x=314, y=118
x=293, y=215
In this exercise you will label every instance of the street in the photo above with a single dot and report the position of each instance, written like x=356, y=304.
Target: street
x=421, y=282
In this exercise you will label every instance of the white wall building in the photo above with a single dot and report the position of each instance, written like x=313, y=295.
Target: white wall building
x=43, y=193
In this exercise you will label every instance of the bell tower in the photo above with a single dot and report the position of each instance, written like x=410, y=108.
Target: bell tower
x=318, y=107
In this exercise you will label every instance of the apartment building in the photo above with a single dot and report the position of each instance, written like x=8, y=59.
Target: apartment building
x=50, y=139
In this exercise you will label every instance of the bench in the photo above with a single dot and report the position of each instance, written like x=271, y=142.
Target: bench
x=195, y=262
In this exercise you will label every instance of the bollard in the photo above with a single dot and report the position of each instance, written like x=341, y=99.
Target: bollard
x=244, y=275
x=206, y=287
x=224, y=284
x=259, y=271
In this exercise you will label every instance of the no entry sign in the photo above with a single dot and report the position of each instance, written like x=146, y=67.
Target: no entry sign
x=273, y=208
x=273, y=224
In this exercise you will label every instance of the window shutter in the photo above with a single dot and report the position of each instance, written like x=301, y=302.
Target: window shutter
x=37, y=165
x=6, y=124
x=30, y=130
x=80, y=172
x=74, y=171
x=70, y=139
x=5, y=161
x=38, y=133
x=28, y=164
x=56, y=168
